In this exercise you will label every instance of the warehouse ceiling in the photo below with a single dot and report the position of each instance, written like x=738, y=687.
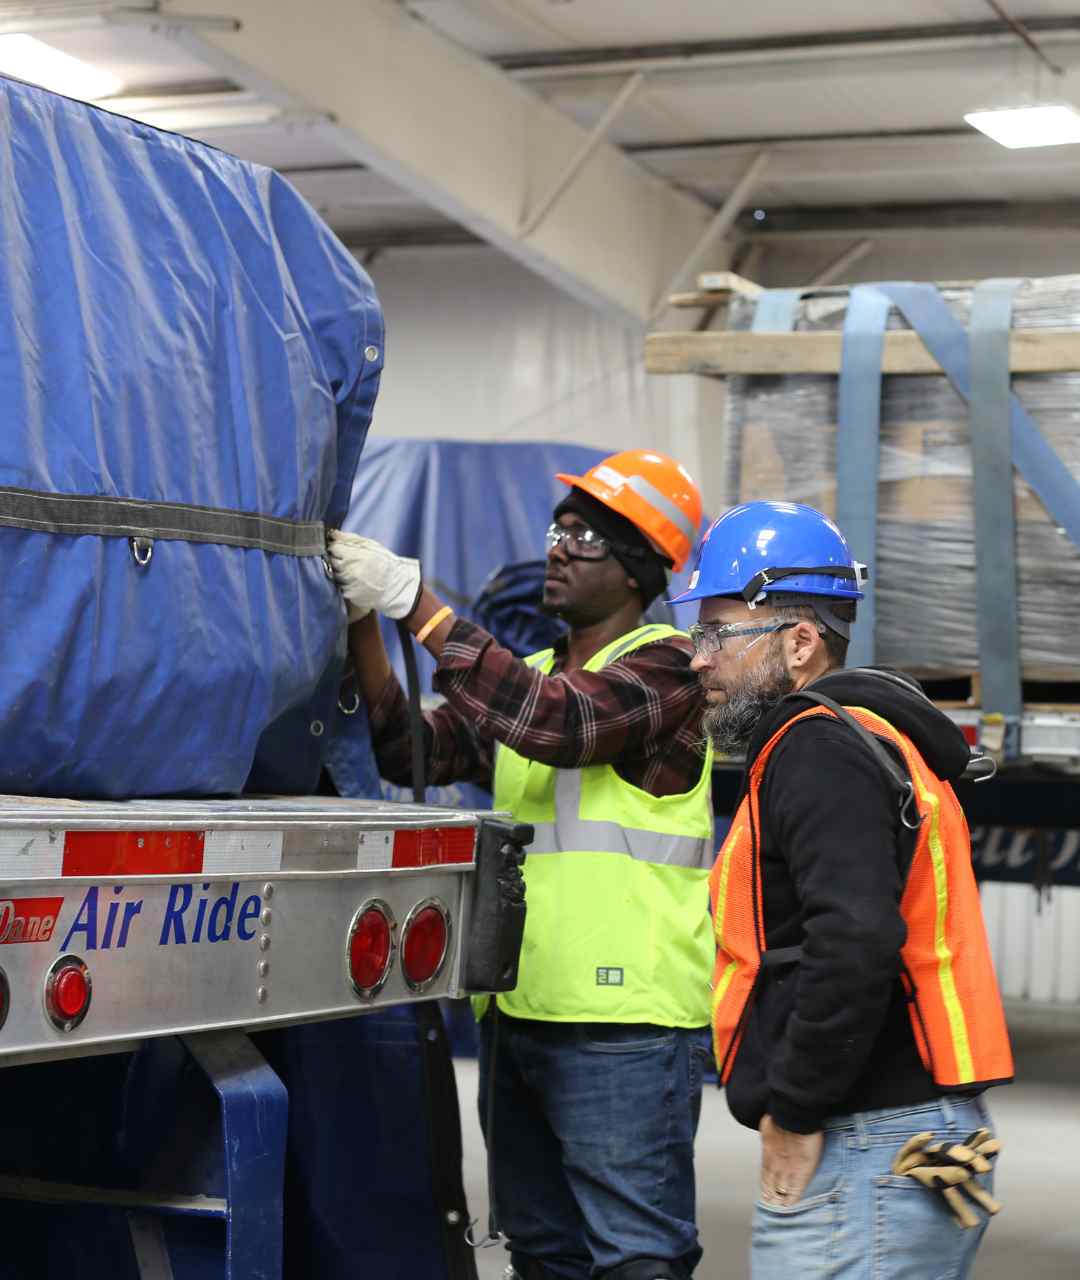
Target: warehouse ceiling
x=612, y=146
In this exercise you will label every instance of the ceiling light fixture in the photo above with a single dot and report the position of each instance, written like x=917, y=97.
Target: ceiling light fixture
x=1034, y=120
x=29, y=59
x=1035, y=124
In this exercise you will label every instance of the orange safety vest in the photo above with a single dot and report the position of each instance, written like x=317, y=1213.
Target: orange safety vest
x=947, y=970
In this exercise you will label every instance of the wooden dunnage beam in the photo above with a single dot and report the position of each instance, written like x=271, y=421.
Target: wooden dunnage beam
x=722, y=353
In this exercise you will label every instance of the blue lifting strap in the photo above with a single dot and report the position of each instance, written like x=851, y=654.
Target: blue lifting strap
x=947, y=341
x=1032, y=455
x=776, y=310
x=995, y=514
x=858, y=447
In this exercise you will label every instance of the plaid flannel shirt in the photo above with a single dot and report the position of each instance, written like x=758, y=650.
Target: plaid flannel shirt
x=641, y=714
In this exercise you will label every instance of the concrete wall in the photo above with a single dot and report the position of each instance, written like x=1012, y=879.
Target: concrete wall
x=479, y=348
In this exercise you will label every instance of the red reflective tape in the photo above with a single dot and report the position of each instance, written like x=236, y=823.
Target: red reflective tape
x=133, y=853
x=434, y=847
x=971, y=734
x=28, y=919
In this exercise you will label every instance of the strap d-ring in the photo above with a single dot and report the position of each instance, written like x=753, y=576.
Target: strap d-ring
x=143, y=550
x=350, y=710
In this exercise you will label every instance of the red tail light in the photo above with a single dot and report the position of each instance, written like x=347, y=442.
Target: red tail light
x=424, y=943
x=67, y=993
x=370, y=947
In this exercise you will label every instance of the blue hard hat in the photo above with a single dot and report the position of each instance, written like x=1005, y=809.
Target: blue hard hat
x=760, y=549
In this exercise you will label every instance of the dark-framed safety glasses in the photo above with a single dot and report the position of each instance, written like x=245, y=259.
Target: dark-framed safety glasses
x=709, y=637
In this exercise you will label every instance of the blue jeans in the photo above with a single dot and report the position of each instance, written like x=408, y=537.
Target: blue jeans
x=858, y=1221
x=591, y=1147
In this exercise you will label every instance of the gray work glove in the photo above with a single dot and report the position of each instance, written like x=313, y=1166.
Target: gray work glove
x=370, y=576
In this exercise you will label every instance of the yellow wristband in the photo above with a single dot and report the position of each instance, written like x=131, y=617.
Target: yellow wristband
x=432, y=622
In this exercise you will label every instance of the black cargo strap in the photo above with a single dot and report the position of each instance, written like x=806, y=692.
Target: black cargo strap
x=416, y=717
x=79, y=515
x=444, y=1139
x=766, y=577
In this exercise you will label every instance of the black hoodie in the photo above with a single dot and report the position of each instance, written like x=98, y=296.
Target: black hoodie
x=831, y=1034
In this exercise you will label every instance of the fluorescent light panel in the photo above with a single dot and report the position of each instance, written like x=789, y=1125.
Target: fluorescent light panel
x=1038, y=125
x=34, y=60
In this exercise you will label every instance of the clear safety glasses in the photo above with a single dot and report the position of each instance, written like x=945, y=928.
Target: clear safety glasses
x=709, y=637
x=579, y=541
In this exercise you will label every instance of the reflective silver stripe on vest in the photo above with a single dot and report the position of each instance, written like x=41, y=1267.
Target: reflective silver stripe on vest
x=570, y=833
x=665, y=506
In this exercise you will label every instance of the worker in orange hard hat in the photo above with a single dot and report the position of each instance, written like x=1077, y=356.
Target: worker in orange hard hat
x=591, y=1067
x=656, y=494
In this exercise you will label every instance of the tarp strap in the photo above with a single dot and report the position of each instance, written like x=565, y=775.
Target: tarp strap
x=858, y=447
x=78, y=514
x=947, y=341
x=995, y=514
x=776, y=310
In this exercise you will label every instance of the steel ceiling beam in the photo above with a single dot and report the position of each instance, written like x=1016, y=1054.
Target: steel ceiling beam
x=684, y=55
x=840, y=264
x=79, y=17
x=878, y=221
x=461, y=136
x=721, y=224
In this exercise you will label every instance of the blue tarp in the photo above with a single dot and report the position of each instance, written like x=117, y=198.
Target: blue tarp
x=176, y=327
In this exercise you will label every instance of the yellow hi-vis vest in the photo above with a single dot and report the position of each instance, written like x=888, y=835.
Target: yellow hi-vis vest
x=617, y=924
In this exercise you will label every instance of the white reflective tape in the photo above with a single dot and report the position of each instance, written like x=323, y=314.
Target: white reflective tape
x=229, y=852
x=31, y=854
x=570, y=833
x=609, y=476
x=667, y=508
x=375, y=851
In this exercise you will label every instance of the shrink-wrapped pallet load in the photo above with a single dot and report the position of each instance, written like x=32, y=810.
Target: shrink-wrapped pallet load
x=780, y=443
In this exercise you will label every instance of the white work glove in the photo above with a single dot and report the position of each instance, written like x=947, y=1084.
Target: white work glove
x=370, y=576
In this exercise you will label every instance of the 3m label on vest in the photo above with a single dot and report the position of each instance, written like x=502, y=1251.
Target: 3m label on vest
x=609, y=977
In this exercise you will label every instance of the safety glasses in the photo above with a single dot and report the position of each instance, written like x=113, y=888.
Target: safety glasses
x=579, y=541
x=709, y=637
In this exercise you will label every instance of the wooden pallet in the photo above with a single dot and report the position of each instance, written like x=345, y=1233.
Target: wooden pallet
x=1042, y=690
x=726, y=352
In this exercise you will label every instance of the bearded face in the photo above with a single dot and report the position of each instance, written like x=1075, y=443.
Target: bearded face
x=749, y=695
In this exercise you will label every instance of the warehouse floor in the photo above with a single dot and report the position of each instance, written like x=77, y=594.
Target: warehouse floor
x=1037, y=1236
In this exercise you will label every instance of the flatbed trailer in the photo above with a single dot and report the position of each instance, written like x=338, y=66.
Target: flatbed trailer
x=122, y=921
x=161, y=933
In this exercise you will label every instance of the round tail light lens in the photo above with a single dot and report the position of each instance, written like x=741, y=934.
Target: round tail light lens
x=370, y=947
x=67, y=993
x=424, y=943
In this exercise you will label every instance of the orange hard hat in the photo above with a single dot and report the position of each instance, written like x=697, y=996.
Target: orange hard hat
x=653, y=492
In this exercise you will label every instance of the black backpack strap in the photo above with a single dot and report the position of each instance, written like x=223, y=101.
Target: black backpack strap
x=910, y=816
x=898, y=776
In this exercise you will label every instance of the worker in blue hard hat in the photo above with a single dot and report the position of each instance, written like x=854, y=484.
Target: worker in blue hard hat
x=856, y=1017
